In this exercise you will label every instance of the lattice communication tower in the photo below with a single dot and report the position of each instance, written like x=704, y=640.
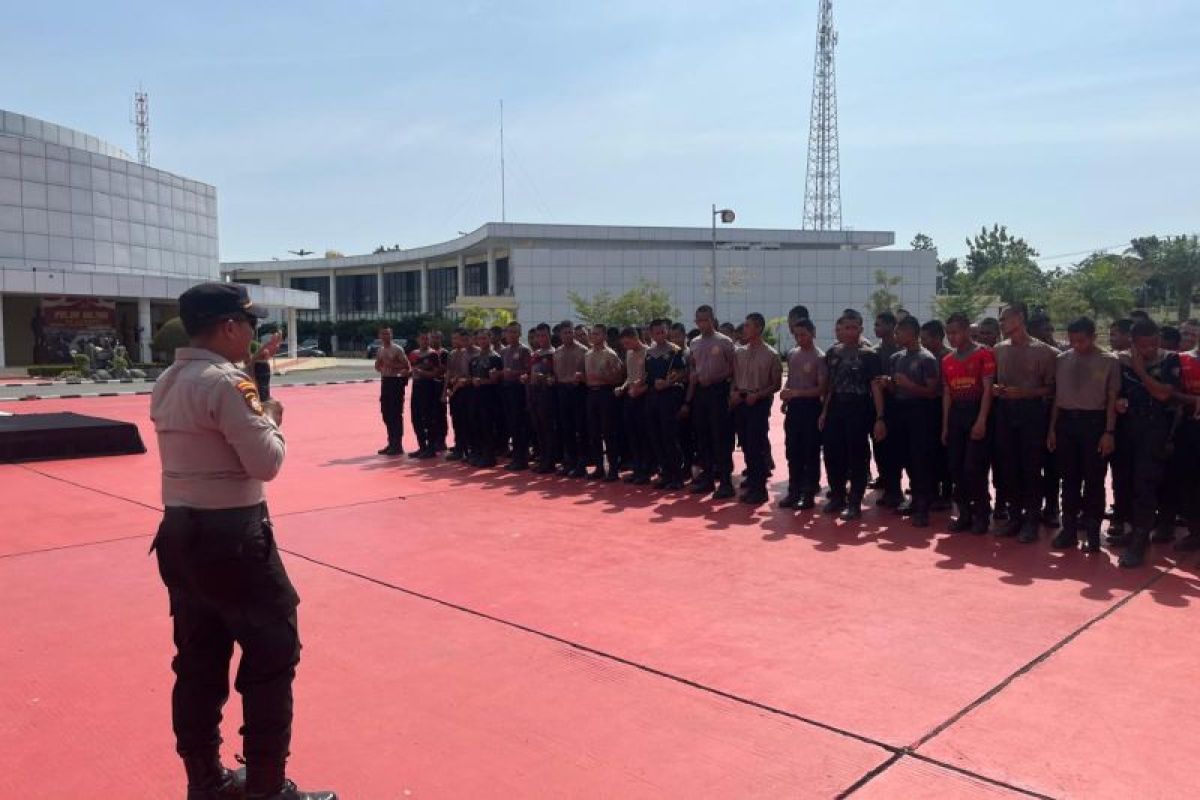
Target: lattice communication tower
x=823, y=181
x=141, y=123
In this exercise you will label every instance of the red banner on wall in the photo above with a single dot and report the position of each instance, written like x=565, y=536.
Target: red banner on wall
x=68, y=322
x=79, y=314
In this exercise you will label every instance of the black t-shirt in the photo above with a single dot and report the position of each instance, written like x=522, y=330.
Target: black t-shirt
x=661, y=362
x=1141, y=402
x=919, y=365
x=483, y=364
x=851, y=369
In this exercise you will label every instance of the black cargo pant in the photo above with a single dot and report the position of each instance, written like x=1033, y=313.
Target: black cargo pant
x=391, y=407
x=1076, y=449
x=754, y=421
x=846, y=440
x=601, y=426
x=1181, y=495
x=424, y=399
x=460, y=416
x=713, y=426
x=968, y=458
x=912, y=432
x=803, y=442
x=1121, y=486
x=1021, y=434
x=662, y=422
x=1051, y=475
x=543, y=414
x=226, y=584
x=1142, y=467
x=571, y=401
x=637, y=432
x=485, y=416
x=516, y=417
x=438, y=410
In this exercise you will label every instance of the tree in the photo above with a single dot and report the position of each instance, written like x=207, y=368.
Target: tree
x=948, y=270
x=169, y=337
x=997, y=247
x=1177, y=264
x=1013, y=282
x=647, y=300
x=1105, y=284
x=478, y=318
x=883, y=298
x=966, y=299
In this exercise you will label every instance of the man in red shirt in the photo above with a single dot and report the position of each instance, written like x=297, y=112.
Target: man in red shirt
x=1181, y=494
x=968, y=372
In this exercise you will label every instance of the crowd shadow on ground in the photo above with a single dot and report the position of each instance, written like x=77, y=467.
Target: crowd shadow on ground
x=1018, y=564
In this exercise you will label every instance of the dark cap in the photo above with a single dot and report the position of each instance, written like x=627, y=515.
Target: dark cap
x=207, y=302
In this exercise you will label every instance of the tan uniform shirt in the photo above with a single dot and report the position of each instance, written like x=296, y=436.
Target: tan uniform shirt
x=635, y=367
x=458, y=363
x=602, y=366
x=568, y=359
x=1083, y=383
x=711, y=358
x=392, y=361
x=216, y=444
x=1025, y=366
x=757, y=369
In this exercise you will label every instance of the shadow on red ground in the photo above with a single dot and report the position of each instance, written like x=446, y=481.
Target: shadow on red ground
x=495, y=634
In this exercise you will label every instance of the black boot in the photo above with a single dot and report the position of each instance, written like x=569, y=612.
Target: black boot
x=790, y=500
x=265, y=781
x=1029, y=530
x=1135, y=553
x=1092, y=540
x=980, y=522
x=961, y=523
x=1164, y=532
x=835, y=505
x=208, y=780
x=1066, y=539
x=853, y=510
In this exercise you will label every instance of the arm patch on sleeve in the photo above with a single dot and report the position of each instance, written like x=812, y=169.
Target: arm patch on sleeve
x=249, y=393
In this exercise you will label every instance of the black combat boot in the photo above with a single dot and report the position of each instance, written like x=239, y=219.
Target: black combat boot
x=1091, y=542
x=265, y=781
x=1135, y=554
x=1067, y=538
x=962, y=523
x=853, y=510
x=208, y=780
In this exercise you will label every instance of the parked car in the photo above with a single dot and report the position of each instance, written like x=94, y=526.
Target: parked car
x=301, y=352
x=373, y=348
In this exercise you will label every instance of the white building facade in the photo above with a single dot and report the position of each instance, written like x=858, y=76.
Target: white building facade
x=87, y=233
x=532, y=269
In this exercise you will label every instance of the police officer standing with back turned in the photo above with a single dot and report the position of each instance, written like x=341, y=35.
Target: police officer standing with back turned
x=216, y=552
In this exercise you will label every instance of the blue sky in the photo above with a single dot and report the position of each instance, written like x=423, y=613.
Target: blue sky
x=354, y=124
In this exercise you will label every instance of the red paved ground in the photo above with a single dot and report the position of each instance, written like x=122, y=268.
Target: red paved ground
x=491, y=635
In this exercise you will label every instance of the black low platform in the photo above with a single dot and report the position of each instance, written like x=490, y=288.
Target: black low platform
x=43, y=437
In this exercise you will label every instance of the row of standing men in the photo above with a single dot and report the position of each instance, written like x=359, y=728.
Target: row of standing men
x=1047, y=420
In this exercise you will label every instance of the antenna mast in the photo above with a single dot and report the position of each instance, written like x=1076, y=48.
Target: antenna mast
x=503, y=199
x=141, y=122
x=823, y=183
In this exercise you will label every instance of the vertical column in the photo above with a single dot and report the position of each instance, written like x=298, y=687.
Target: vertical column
x=379, y=291
x=293, y=329
x=3, y=363
x=144, y=323
x=492, y=289
x=461, y=289
x=333, y=340
x=424, y=287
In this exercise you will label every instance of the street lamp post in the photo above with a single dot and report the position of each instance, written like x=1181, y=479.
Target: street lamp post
x=727, y=217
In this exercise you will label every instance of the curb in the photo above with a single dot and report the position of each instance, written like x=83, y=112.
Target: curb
x=147, y=392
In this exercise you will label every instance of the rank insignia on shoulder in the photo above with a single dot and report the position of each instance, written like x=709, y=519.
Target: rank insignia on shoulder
x=250, y=394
